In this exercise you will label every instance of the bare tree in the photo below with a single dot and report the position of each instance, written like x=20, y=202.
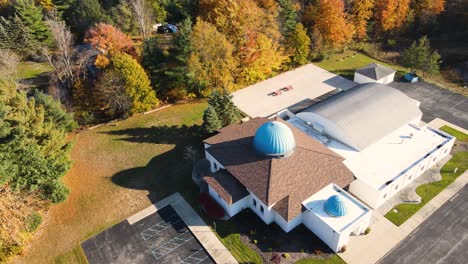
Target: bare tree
x=144, y=15
x=8, y=66
x=63, y=60
x=112, y=95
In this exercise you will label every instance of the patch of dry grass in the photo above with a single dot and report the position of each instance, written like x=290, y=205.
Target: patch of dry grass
x=117, y=171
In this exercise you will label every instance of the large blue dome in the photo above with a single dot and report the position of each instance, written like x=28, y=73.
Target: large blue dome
x=335, y=207
x=274, y=138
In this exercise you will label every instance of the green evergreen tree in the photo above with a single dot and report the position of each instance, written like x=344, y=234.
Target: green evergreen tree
x=211, y=122
x=300, y=42
x=420, y=57
x=33, y=19
x=34, y=152
x=227, y=112
x=86, y=13
x=288, y=16
x=15, y=36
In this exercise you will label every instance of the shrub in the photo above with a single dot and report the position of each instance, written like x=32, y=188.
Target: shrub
x=367, y=231
x=343, y=248
x=33, y=222
x=285, y=255
x=255, y=241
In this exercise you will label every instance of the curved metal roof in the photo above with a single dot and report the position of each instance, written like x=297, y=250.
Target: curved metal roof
x=335, y=207
x=366, y=113
x=274, y=138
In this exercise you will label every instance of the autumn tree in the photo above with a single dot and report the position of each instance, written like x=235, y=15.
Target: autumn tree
x=361, y=12
x=391, y=14
x=210, y=64
x=300, y=42
x=329, y=19
x=136, y=82
x=108, y=40
x=252, y=30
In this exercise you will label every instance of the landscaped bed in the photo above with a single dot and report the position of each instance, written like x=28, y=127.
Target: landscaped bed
x=269, y=242
x=455, y=167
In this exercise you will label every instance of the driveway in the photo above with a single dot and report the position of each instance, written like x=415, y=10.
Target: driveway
x=437, y=102
x=442, y=238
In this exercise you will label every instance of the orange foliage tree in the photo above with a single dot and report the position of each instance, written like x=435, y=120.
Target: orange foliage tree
x=330, y=21
x=109, y=40
x=391, y=14
x=361, y=12
x=433, y=7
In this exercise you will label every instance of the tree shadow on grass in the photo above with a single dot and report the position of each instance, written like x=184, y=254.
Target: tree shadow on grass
x=166, y=173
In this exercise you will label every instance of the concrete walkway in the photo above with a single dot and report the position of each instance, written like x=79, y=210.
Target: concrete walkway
x=384, y=234
x=197, y=226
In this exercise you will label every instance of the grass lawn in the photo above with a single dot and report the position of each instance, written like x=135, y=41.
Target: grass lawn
x=459, y=135
x=28, y=70
x=118, y=171
x=333, y=260
x=345, y=64
x=430, y=190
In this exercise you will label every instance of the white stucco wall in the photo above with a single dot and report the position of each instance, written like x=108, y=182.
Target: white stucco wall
x=322, y=230
x=364, y=192
x=359, y=78
x=232, y=209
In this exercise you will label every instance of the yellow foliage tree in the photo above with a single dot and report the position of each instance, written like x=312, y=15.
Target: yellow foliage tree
x=211, y=63
x=361, y=12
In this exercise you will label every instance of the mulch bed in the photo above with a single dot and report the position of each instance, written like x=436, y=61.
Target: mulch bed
x=270, y=241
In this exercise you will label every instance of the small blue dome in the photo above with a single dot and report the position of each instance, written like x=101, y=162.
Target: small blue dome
x=335, y=207
x=274, y=138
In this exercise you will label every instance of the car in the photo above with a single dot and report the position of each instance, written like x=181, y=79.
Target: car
x=166, y=28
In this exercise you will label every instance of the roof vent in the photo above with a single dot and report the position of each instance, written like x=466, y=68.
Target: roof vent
x=334, y=206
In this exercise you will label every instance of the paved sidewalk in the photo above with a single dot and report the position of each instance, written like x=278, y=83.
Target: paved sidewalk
x=197, y=226
x=385, y=235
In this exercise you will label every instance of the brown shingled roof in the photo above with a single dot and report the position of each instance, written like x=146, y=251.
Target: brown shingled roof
x=311, y=167
x=230, y=189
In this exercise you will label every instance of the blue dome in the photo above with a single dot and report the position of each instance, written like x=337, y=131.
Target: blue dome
x=274, y=138
x=335, y=207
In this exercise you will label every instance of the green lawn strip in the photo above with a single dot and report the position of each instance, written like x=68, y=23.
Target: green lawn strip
x=345, y=64
x=458, y=134
x=76, y=255
x=28, y=70
x=430, y=190
x=335, y=259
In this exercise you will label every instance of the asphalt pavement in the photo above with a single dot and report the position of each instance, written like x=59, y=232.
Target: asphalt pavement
x=437, y=102
x=440, y=239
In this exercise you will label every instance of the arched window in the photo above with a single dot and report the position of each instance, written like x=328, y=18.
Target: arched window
x=261, y=209
x=254, y=202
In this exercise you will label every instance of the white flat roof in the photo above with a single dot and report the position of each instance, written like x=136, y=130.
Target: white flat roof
x=388, y=157
x=355, y=209
x=308, y=82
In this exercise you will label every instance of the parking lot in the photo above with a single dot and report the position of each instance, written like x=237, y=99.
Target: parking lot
x=437, y=102
x=442, y=238
x=161, y=237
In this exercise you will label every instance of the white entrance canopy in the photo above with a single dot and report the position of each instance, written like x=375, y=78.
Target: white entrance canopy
x=308, y=83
